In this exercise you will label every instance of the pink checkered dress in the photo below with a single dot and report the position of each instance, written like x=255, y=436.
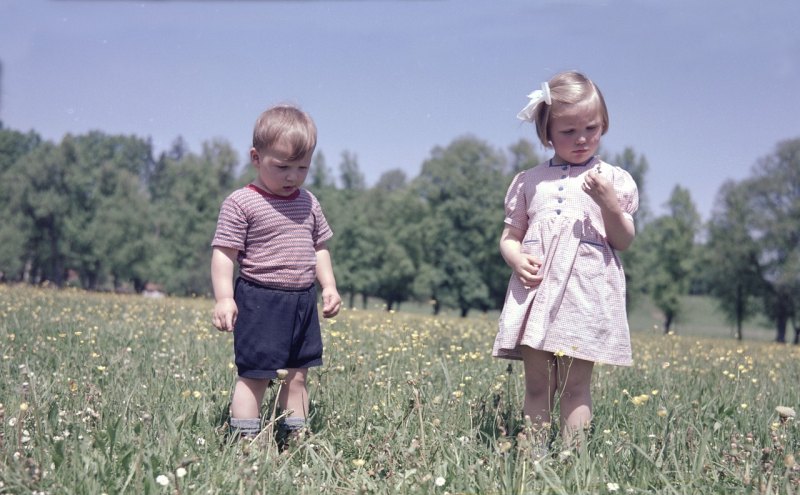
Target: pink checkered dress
x=579, y=308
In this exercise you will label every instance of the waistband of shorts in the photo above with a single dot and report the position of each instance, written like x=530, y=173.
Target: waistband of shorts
x=258, y=285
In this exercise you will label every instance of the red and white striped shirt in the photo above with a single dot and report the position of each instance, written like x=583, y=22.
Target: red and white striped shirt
x=276, y=236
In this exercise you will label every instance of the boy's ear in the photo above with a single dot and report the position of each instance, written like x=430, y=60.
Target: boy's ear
x=254, y=158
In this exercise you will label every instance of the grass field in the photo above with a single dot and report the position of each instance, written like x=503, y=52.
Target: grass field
x=104, y=393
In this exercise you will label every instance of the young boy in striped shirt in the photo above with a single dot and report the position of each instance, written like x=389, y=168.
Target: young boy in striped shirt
x=277, y=233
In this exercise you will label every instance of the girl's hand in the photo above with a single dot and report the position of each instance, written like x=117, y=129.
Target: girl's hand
x=224, y=317
x=600, y=189
x=526, y=268
x=619, y=228
x=331, y=302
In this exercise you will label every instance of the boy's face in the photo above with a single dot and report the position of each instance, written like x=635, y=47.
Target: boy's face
x=276, y=174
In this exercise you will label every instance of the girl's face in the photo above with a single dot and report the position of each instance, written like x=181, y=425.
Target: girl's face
x=276, y=174
x=575, y=132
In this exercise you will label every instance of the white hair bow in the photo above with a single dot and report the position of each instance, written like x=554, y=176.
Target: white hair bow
x=538, y=96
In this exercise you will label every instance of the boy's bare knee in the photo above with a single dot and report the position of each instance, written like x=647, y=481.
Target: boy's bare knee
x=296, y=377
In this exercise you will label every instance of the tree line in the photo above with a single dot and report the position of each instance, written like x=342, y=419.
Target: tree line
x=103, y=212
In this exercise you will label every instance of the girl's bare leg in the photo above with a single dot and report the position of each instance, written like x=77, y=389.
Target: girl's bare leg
x=540, y=388
x=575, y=378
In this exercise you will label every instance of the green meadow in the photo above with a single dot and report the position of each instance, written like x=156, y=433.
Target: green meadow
x=106, y=393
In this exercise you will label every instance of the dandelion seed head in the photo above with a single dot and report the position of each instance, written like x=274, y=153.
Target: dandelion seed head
x=162, y=480
x=785, y=412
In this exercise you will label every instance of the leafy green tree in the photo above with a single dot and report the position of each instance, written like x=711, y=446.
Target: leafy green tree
x=392, y=210
x=634, y=259
x=637, y=166
x=104, y=173
x=670, y=239
x=16, y=228
x=523, y=156
x=321, y=176
x=351, y=177
x=57, y=192
x=774, y=193
x=40, y=192
x=188, y=193
x=354, y=245
x=463, y=184
x=355, y=259
x=121, y=234
x=395, y=276
x=730, y=259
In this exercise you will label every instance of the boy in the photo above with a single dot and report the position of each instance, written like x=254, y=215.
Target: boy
x=277, y=233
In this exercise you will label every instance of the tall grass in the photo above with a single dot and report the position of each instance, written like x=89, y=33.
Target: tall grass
x=105, y=393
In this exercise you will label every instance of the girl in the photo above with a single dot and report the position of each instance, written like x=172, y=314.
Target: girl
x=565, y=221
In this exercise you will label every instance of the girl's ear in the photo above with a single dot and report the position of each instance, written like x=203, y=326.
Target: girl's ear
x=254, y=158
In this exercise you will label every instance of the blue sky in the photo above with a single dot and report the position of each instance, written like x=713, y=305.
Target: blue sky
x=703, y=89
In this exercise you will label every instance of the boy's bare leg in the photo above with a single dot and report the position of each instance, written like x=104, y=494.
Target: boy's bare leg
x=294, y=394
x=247, y=397
x=246, y=406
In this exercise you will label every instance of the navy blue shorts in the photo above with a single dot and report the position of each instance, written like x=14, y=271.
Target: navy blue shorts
x=275, y=329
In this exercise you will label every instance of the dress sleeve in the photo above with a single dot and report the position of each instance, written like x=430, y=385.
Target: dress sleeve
x=627, y=192
x=516, y=204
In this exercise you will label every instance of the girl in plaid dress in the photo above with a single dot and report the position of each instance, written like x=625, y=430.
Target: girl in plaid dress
x=565, y=221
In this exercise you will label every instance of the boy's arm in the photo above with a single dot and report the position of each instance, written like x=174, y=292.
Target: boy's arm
x=331, y=301
x=223, y=261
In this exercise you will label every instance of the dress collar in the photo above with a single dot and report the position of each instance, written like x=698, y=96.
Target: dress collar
x=567, y=164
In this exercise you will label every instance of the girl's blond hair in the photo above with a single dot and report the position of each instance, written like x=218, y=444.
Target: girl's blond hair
x=568, y=88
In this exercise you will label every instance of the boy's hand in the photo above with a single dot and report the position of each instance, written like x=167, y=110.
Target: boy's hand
x=225, y=312
x=331, y=302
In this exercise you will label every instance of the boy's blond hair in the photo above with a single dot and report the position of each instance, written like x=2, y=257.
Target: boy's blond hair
x=289, y=123
x=568, y=88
